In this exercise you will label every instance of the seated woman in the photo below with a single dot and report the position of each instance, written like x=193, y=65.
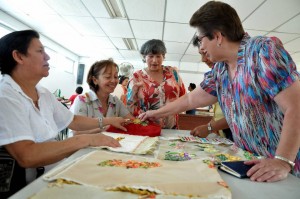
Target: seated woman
x=102, y=79
x=31, y=116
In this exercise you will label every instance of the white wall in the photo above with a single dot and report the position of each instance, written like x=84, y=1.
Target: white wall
x=62, y=80
x=188, y=78
x=57, y=78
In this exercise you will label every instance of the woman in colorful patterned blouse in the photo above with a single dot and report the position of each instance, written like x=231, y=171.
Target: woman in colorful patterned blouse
x=98, y=102
x=156, y=85
x=257, y=85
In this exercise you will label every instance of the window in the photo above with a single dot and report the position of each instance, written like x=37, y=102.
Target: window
x=59, y=61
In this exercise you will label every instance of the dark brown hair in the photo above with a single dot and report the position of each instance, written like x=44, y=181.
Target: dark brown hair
x=18, y=40
x=95, y=71
x=122, y=78
x=218, y=16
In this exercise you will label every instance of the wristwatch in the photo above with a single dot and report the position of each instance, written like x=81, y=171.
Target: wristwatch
x=209, y=128
x=100, y=120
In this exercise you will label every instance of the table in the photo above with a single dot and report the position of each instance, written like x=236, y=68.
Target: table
x=189, y=122
x=240, y=188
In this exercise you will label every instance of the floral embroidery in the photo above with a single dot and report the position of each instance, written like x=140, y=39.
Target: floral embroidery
x=178, y=156
x=129, y=164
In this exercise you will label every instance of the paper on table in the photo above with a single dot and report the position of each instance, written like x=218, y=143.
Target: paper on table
x=132, y=143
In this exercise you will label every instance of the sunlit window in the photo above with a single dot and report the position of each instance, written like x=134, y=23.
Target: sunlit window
x=59, y=61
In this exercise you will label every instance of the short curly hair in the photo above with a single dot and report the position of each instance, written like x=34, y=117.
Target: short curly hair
x=218, y=16
x=153, y=46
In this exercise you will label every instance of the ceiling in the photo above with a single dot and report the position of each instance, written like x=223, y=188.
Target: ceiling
x=86, y=28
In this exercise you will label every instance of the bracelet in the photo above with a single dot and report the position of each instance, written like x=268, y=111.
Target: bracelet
x=292, y=164
x=100, y=120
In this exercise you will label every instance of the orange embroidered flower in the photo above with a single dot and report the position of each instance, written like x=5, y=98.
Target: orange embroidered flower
x=130, y=164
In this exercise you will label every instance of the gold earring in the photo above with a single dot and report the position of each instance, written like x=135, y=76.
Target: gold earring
x=219, y=45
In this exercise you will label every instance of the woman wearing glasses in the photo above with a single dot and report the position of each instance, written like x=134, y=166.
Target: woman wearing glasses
x=256, y=83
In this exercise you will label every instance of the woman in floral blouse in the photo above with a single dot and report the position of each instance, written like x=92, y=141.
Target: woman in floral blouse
x=98, y=102
x=156, y=85
x=257, y=86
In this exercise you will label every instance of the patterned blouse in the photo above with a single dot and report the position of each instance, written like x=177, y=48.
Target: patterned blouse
x=153, y=95
x=89, y=105
x=264, y=68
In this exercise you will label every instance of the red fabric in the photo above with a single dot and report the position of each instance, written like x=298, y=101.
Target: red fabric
x=151, y=130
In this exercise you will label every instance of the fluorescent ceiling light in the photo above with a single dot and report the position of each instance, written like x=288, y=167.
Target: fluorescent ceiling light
x=129, y=43
x=114, y=8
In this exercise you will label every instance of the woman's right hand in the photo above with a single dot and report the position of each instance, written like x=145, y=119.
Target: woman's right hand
x=137, y=85
x=148, y=115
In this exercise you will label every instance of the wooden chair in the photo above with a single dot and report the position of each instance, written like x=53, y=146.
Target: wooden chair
x=189, y=122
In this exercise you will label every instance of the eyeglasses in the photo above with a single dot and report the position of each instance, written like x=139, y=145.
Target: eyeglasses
x=200, y=39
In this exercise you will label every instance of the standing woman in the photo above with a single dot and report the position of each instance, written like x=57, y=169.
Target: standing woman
x=124, y=83
x=102, y=79
x=31, y=116
x=257, y=85
x=156, y=85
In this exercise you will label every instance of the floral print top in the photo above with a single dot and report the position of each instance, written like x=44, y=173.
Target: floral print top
x=264, y=68
x=153, y=95
x=89, y=105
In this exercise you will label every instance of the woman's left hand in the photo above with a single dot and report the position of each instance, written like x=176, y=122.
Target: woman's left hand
x=200, y=131
x=268, y=170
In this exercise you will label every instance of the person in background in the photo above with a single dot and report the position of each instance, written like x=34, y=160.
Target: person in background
x=257, y=85
x=31, y=116
x=123, y=80
x=156, y=85
x=102, y=79
x=218, y=124
x=78, y=91
x=191, y=87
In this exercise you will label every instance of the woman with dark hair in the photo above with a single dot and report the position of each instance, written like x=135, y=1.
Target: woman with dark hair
x=156, y=85
x=123, y=81
x=102, y=79
x=31, y=116
x=257, y=85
